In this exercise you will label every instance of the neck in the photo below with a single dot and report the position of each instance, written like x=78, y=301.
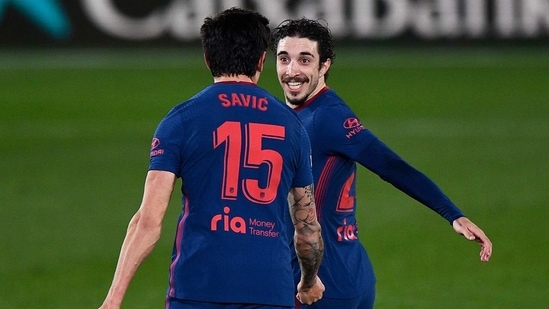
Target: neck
x=233, y=78
x=293, y=106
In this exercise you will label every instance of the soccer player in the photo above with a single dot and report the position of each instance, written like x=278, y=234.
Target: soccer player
x=239, y=152
x=304, y=53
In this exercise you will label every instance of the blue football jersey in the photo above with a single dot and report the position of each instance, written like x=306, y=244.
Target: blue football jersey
x=334, y=131
x=238, y=151
x=338, y=141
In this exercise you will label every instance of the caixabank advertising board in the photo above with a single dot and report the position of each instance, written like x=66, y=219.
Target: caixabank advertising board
x=169, y=22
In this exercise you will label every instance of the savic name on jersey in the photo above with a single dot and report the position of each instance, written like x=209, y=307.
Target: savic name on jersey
x=244, y=100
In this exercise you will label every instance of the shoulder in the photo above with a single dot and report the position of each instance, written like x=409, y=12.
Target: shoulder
x=281, y=107
x=330, y=108
x=332, y=101
x=195, y=101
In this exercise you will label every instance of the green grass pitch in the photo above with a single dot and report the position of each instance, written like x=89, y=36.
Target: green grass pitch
x=75, y=128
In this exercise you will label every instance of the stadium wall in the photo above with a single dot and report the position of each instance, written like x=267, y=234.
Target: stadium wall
x=100, y=23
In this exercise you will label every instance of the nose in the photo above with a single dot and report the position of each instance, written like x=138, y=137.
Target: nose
x=292, y=69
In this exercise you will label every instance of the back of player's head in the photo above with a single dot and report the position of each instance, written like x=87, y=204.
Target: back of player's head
x=234, y=41
x=309, y=29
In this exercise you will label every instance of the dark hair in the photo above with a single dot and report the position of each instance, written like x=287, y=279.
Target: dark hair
x=234, y=40
x=310, y=29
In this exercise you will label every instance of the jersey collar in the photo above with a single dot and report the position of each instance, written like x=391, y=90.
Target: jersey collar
x=310, y=100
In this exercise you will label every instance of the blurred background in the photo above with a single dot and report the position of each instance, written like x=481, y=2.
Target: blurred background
x=459, y=88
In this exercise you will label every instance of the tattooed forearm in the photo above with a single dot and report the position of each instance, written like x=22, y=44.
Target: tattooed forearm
x=308, y=239
x=302, y=207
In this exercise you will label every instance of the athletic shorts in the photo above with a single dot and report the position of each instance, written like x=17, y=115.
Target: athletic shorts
x=175, y=303
x=364, y=301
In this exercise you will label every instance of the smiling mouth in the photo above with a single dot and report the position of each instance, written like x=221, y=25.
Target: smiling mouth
x=294, y=85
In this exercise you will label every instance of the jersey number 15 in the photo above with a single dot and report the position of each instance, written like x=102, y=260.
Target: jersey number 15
x=230, y=135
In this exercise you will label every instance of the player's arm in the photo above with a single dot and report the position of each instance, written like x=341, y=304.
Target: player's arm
x=308, y=243
x=389, y=166
x=143, y=232
x=380, y=159
x=365, y=148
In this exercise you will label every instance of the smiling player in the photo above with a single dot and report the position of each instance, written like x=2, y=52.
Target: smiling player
x=304, y=54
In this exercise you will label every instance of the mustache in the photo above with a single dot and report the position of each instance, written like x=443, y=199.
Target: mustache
x=297, y=79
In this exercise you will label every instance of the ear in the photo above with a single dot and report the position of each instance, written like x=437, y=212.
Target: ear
x=206, y=62
x=261, y=62
x=325, y=66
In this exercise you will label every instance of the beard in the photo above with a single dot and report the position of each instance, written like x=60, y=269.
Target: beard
x=297, y=99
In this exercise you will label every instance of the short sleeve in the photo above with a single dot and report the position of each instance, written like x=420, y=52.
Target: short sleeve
x=167, y=145
x=303, y=176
